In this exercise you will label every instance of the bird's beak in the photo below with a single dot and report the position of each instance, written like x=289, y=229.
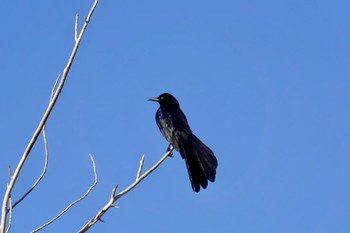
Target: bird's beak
x=155, y=99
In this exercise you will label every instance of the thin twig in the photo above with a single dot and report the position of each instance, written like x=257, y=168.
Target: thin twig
x=42, y=123
x=76, y=27
x=54, y=87
x=140, y=167
x=113, y=191
x=125, y=191
x=114, y=197
x=10, y=171
x=74, y=202
x=42, y=173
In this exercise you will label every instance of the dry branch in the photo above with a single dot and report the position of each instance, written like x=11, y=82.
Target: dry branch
x=74, y=202
x=114, y=198
x=41, y=175
x=10, y=216
x=5, y=203
x=46, y=154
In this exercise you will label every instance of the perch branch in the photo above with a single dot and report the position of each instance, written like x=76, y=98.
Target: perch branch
x=114, y=197
x=43, y=120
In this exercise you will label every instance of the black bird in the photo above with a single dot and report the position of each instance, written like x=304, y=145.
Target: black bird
x=172, y=123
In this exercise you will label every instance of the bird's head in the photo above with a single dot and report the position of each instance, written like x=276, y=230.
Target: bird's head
x=165, y=99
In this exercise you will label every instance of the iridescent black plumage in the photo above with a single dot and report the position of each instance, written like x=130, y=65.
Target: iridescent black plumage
x=172, y=123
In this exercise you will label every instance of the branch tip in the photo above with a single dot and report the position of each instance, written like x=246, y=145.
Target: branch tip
x=94, y=167
x=10, y=172
x=113, y=192
x=76, y=27
x=140, y=167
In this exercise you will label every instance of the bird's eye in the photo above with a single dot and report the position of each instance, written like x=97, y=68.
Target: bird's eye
x=162, y=97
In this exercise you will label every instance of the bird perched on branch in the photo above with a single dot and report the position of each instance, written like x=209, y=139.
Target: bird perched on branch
x=172, y=123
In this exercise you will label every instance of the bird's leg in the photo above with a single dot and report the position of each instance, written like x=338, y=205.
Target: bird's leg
x=170, y=148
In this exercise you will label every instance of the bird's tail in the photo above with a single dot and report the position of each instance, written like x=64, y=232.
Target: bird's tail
x=200, y=160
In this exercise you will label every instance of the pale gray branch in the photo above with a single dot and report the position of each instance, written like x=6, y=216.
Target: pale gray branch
x=46, y=153
x=140, y=167
x=76, y=27
x=43, y=120
x=42, y=173
x=54, y=87
x=74, y=202
x=10, y=171
x=10, y=216
x=114, y=198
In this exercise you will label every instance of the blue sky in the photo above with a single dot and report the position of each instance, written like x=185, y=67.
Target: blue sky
x=265, y=84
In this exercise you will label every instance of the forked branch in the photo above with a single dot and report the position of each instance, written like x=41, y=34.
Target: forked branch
x=14, y=177
x=114, y=197
x=46, y=155
x=74, y=202
x=41, y=175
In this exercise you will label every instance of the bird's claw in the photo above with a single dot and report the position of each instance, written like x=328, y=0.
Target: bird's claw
x=170, y=148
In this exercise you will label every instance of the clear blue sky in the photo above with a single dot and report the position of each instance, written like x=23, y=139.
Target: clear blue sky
x=265, y=84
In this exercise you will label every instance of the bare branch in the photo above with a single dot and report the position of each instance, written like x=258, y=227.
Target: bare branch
x=42, y=173
x=46, y=153
x=114, y=197
x=42, y=123
x=10, y=216
x=74, y=202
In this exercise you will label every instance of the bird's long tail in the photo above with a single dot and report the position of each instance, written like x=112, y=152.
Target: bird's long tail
x=200, y=160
